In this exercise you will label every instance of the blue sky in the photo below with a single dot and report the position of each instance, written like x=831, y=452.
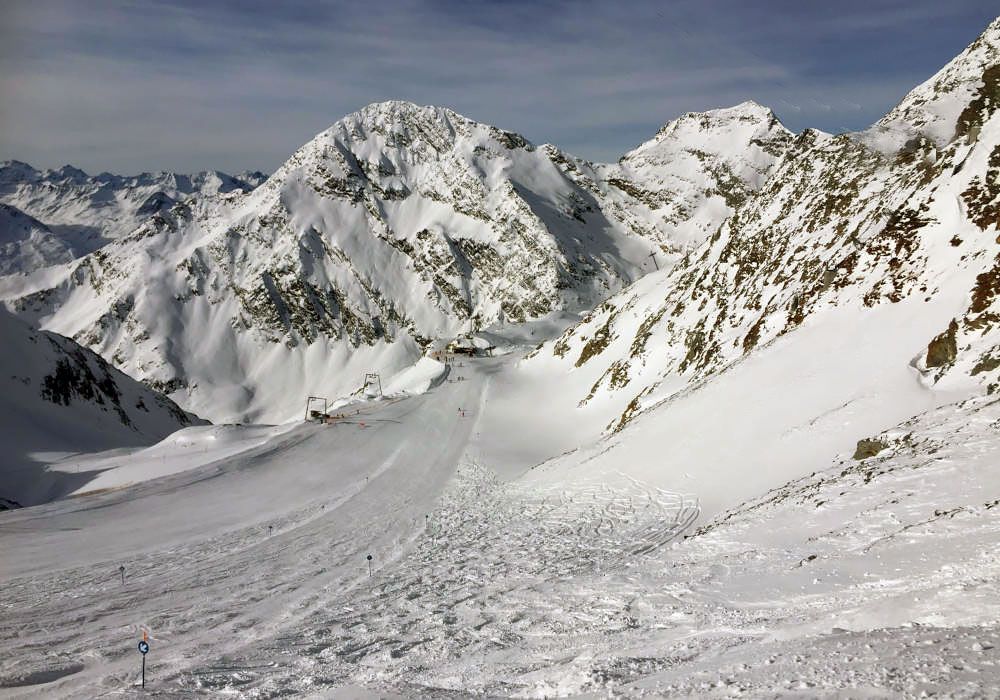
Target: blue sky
x=176, y=85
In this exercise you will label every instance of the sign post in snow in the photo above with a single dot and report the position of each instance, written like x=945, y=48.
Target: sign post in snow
x=144, y=649
x=121, y=570
x=369, y=565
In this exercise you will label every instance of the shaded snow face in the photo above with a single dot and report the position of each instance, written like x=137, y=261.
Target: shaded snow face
x=61, y=398
x=27, y=244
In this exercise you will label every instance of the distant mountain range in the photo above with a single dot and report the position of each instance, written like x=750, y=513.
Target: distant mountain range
x=83, y=212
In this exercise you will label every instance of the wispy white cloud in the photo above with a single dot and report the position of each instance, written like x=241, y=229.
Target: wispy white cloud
x=185, y=85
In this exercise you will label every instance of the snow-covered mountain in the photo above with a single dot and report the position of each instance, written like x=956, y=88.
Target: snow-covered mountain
x=678, y=187
x=701, y=167
x=28, y=244
x=397, y=227
x=60, y=398
x=768, y=468
x=83, y=212
x=867, y=281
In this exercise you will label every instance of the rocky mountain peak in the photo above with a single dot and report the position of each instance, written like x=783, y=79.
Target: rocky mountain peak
x=700, y=168
x=749, y=113
x=396, y=132
x=402, y=112
x=836, y=231
x=69, y=173
x=398, y=225
x=729, y=131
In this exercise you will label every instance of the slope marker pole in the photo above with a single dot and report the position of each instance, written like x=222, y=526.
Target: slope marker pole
x=144, y=649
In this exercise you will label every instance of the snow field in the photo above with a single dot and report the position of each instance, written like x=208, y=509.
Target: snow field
x=871, y=577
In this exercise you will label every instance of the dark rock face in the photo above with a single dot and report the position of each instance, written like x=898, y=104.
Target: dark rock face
x=943, y=349
x=868, y=448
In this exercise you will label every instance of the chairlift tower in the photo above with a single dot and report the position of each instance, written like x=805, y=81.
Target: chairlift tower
x=309, y=402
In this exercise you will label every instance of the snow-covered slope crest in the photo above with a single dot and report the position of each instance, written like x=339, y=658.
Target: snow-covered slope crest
x=398, y=225
x=61, y=398
x=950, y=104
x=84, y=211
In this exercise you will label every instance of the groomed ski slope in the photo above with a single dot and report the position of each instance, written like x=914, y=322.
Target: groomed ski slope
x=202, y=572
x=243, y=553
x=250, y=575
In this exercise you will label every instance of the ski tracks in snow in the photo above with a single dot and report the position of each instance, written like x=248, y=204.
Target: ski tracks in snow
x=499, y=567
